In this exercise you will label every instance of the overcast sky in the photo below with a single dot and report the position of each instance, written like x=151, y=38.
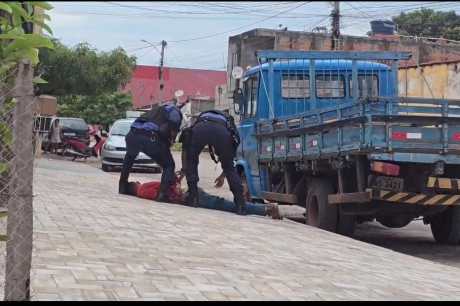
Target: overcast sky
x=197, y=32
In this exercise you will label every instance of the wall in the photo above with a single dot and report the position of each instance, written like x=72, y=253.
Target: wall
x=440, y=80
x=45, y=105
x=221, y=98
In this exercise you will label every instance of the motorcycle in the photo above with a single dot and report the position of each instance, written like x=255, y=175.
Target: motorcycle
x=78, y=149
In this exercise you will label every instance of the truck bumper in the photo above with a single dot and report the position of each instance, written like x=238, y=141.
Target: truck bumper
x=395, y=197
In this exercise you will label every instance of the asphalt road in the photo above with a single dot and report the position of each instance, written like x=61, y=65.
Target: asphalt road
x=415, y=239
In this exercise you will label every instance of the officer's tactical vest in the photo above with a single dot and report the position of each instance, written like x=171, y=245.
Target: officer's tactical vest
x=166, y=118
x=230, y=124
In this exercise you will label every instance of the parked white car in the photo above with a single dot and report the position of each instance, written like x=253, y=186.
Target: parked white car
x=114, y=149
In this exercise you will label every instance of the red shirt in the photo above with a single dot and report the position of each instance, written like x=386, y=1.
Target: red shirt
x=150, y=191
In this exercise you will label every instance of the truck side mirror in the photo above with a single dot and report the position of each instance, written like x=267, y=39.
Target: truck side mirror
x=238, y=100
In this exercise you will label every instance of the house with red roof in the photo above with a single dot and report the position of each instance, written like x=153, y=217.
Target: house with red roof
x=197, y=84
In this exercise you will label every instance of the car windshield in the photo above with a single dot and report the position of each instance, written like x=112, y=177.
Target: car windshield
x=121, y=128
x=74, y=124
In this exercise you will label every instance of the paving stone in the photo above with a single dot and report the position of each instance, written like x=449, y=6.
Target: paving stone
x=94, y=244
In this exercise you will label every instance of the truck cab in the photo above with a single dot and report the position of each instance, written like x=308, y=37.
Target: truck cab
x=328, y=131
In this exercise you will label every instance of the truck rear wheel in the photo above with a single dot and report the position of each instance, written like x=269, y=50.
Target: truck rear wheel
x=445, y=226
x=318, y=211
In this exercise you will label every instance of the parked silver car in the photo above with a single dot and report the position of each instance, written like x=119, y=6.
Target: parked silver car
x=114, y=149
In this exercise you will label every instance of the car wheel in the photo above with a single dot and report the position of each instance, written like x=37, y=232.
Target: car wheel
x=106, y=168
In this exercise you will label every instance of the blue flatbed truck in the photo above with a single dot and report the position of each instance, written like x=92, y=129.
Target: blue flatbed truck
x=327, y=130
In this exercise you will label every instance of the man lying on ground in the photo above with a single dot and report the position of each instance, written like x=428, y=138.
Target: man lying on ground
x=150, y=191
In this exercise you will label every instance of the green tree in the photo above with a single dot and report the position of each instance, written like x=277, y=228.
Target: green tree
x=86, y=81
x=429, y=23
x=103, y=108
x=81, y=70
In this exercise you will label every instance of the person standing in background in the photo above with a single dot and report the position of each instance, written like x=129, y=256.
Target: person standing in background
x=55, y=136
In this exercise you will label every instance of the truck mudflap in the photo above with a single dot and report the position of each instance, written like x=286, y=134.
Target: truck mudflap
x=373, y=194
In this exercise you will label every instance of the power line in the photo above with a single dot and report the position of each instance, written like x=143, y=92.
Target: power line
x=175, y=17
x=178, y=11
x=357, y=9
x=238, y=28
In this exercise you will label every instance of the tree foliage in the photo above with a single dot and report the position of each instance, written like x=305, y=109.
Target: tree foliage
x=429, y=23
x=103, y=109
x=82, y=70
x=86, y=81
x=17, y=43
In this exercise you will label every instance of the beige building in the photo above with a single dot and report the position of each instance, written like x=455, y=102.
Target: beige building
x=431, y=80
x=220, y=102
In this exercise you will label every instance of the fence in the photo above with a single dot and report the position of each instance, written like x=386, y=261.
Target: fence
x=16, y=179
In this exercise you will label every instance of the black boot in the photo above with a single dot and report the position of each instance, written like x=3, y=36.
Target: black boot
x=240, y=206
x=191, y=197
x=123, y=187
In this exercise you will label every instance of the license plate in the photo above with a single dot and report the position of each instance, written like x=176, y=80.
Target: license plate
x=70, y=134
x=387, y=183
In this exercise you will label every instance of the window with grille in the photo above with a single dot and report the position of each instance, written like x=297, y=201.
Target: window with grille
x=330, y=86
x=295, y=86
x=368, y=86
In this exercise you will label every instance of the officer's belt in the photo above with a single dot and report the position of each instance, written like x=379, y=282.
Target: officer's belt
x=213, y=120
x=143, y=131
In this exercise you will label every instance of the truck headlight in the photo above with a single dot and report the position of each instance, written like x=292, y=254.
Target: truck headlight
x=109, y=147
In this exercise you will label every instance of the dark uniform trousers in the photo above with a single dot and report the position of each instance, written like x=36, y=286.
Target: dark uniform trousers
x=158, y=150
x=218, y=136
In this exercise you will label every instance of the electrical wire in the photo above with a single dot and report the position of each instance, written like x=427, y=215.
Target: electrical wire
x=238, y=28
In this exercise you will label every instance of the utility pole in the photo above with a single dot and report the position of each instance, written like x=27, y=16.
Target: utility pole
x=335, y=14
x=160, y=74
x=163, y=45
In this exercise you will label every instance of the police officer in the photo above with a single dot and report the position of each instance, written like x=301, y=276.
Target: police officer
x=153, y=134
x=218, y=131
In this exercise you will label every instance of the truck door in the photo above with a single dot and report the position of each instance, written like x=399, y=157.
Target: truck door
x=248, y=148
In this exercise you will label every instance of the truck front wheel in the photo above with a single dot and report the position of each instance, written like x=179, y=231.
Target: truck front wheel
x=318, y=211
x=445, y=226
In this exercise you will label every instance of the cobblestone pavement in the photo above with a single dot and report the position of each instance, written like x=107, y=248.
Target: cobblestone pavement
x=91, y=243
x=415, y=239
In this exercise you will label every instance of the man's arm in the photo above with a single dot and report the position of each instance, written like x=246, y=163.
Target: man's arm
x=219, y=181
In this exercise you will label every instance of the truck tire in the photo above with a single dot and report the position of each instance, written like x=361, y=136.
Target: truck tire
x=445, y=226
x=346, y=224
x=318, y=211
x=106, y=168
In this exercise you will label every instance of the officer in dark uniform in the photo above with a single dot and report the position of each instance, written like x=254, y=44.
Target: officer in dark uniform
x=218, y=131
x=153, y=134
